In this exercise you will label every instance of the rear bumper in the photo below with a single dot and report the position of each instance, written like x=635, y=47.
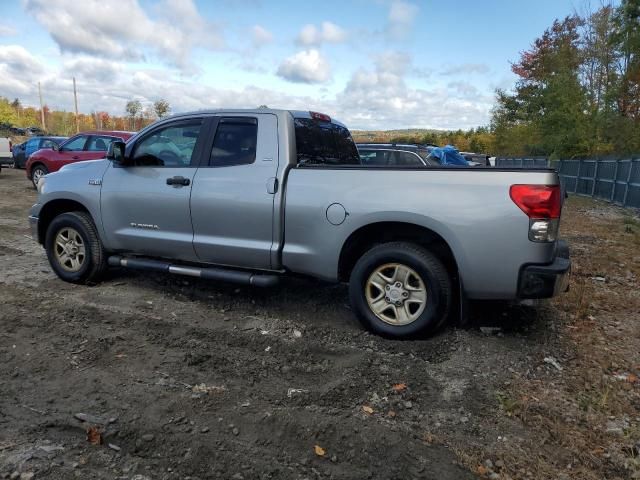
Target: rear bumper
x=548, y=280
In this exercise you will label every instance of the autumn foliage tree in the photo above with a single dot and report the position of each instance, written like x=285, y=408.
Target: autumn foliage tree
x=578, y=89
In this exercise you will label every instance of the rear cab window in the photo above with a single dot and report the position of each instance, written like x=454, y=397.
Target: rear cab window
x=323, y=142
x=235, y=142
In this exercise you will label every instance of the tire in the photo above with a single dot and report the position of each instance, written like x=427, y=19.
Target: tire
x=420, y=305
x=80, y=229
x=37, y=171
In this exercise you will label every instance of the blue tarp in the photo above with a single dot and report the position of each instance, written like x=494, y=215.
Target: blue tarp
x=449, y=155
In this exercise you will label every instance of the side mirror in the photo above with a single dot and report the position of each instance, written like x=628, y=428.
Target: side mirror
x=115, y=153
x=55, y=147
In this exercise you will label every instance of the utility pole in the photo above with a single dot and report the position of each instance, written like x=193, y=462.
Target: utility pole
x=75, y=101
x=44, y=127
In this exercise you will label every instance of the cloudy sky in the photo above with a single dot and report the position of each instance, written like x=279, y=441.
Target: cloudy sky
x=374, y=64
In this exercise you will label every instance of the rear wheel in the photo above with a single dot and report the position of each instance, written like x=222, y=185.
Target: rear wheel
x=37, y=172
x=400, y=289
x=74, y=249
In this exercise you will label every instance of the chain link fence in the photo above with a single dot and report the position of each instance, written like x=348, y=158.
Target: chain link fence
x=616, y=180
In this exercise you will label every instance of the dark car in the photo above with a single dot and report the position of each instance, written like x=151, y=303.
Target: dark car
x=395, y=154
x=22, y=152
x=80, y=147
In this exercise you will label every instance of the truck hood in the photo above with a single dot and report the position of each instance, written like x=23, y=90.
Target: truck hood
x=75, y=177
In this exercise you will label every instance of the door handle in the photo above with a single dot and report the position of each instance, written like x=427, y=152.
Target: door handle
x=178, y=181
x=75, y=157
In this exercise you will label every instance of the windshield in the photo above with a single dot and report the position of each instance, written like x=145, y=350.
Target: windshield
x=324, y=143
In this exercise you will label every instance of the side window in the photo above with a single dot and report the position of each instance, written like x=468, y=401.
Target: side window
x=99, y=144
x=407, y=159
x=46, y=143
x=235, y=142
x=168, y=146
x=374, y=157
x=75, y=144
x=31, y=146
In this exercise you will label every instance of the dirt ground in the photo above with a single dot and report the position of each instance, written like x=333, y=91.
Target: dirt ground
x=173, y=378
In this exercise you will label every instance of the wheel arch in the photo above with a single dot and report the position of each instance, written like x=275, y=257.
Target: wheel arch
x=52, y=209
x=30, y=164
x=380, y=232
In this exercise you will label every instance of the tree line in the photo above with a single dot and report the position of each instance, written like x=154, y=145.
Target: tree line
x=60, y=122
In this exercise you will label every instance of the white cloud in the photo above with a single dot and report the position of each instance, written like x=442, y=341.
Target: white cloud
x=307, y=66
x=401, y=18
x=466, y=68
x=7, y=31
x=92, y=68
x=381, y=98
x=19, y=61
x=260, y=36
x=122, y=29
x=328, y=32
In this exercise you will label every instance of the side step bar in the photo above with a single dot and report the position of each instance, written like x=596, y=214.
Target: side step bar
x=210, y=273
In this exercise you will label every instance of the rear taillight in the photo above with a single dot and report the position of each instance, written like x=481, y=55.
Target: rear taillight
x=542, y=204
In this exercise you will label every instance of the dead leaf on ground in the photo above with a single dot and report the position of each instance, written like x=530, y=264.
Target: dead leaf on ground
x=93, y=436
x=429, y=438
x=482, y=470
x=400, y=387
x=367, y=409
x=391, y=414
x=319, y=451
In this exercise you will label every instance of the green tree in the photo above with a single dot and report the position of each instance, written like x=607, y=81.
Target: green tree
x=7, y=113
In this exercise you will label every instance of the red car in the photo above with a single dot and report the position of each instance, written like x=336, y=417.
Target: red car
x=83, y=146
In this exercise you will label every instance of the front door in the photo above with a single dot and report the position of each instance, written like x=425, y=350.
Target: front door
x=145, y=205
x=233, y=193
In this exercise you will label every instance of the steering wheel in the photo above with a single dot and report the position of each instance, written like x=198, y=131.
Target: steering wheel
x=169, y=157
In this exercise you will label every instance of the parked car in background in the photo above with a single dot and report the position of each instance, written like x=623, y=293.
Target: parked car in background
x=395, y=154
x=23, y=151
x=80, y=147
x=478, y=159
x=32, y=131
x=5, y=150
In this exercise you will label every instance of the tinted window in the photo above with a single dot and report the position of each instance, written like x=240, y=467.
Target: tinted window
x=75, y=144
x=99, y=144
x=169, y=146
x=234, y=143
x=407, y=159
x=374, y=157
x=324, y=143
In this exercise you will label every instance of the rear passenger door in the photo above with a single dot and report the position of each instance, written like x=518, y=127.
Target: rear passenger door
x=233, y=192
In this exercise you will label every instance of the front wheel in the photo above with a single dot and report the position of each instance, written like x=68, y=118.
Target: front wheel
x=74, y=249
x=400, y=289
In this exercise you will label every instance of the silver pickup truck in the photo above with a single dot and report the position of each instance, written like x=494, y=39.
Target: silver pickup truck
x=248, y=196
